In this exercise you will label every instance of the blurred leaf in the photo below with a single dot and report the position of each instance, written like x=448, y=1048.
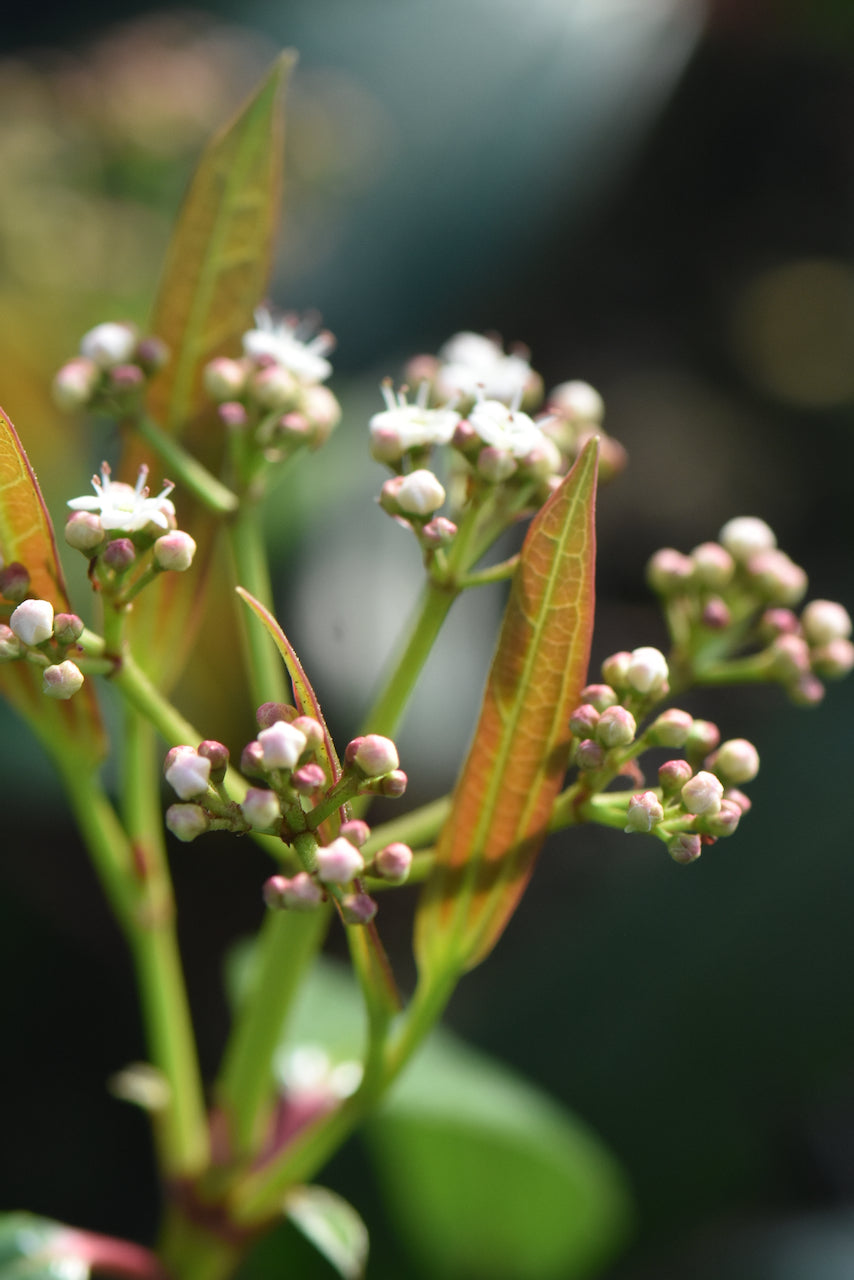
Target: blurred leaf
x=333, y=1226
x=216, y=273
x=28, y=1249
x=488, y=1177
x=517, y=760
x=26, y=536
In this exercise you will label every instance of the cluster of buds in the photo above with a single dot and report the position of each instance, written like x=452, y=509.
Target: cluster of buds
x=698, y=797
x=274, y=394
x=112, y=370
x=299, y=803
x=730, y=609
x=34, y=633
x=127, y=536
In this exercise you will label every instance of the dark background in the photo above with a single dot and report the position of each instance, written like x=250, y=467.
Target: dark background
x=686, y=247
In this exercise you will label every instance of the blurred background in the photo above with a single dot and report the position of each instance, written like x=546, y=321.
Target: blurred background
x=656, y=197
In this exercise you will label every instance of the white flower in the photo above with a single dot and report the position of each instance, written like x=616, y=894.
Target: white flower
x=411, y=426
x=473, y=363
x=507, y=429
x=123, y=508
x=285, y=342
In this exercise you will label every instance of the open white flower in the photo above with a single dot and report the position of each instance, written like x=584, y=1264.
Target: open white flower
x=126, y=509
x=412, y=426
x=286, y=341
x=506, y=428
x=473, y=363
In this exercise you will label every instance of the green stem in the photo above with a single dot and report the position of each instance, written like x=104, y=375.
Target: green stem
x=287, y=944
x=251, y=571
x=185, y=469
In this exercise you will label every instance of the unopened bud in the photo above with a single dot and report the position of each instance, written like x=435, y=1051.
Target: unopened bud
x=75, y=383
x=187, y=773
x=669, y=571
x=778, y=622
x=583, y=721
x=393, y=863
x=62, y=681
x=339, y=862
x=703, y=738
x=187, y=821
x=358, y=908
x=824, y=621
x=643, y=812
x=217, y=755
x=713, y=565
x=496, y=465
x=308, y=779
x=589, y=754
x=67, y=628
x=737, y=797
x=736, y=761
x=702, y=794
x=744, y=536
x=152, y=353
x=356, y=831
x=298, y=893
x=600, y=696
x=647, y=671
x=119, y=554
x=84, y=532
x=777, y=576
x=125, y=377
x=386, y=445
x=806, y=690
x=232, y=415
x=32, y=621
x=224, y=379
x=109, y=344
x=725, y=821
x=791, y=657
x=282, y=745
x=616, y=728
x=373, y=755
x=716, y=614
x=323, y=411
x=14, y=582
x=261, y=808
x=615, y=668
x=670, y=729
x=685, y=847
x=577, y=401
x=175, y=551
x=392, y=785
x=252, y=760
x=420, y=493
x=834, y=660
x=275, y=388
x=673, y=775
x=438, y=532
x=10, y=645
x=271, y=712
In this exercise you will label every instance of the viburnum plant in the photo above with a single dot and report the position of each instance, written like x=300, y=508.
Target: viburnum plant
x=221, y=396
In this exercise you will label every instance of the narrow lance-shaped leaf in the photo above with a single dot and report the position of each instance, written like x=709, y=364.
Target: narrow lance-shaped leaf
x=517, y=760
x=26, y=536
x=216, y=272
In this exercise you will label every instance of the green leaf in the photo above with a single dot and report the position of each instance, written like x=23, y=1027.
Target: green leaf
x=487, y=1177
x=26, y=536
x=504, y=796
x=333, y=1226
x=216, y=273
x=28, y=1249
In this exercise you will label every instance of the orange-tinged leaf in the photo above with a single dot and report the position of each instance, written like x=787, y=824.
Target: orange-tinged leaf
x=26, y=536
x=215, y=275
x=518, y=757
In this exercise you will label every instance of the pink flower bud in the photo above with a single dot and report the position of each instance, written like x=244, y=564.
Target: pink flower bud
x=323, y=411
x=109, y=344
x=713, y=565
x=152, y=353
x=420, y=493
x=300, y=893
x=392, y=785
x=14, y=582
x=673, y=775
x=233, y=415
x=583, y=721
x=84, y=531
x=275, y=388
x=744, y=536
x=356, y=831
x=778, y=622
x=496, y=465
x=125, y=377
x=10, y=645
x=824, y=621
x=685, y=847
x=736, y=761
x=217, y=754
x=616, y=728
x=252, y=760
x=577, y=401
x=308, y=779
x=589, y=754
x=187, y=821
x=834, y=660
x=32, y=621
x=224, y=379
x=393, y=863
x=806, y=690
x=67, y=628
x=600, y=696
x=702, y=739
x=373, y=755
x=261, y=808
x=386, y=445
x=271, y=712
x=282, y=745
x=702, y=794
x=119, y=554
x=791, y=657
x=174, y=551
x=358, y=908
x=644, y=812
x=75, y=383
x=716, y=614
x=725, y=821
x=187, y=773
x=615, y=669
x=669, y=571
x=311, y=729
x=670, y=729
x=778, y=578
x=62, y=681
x=647, y=671
x=438, y=532
x=737, y=797
x=465, y=439
x=339, y=862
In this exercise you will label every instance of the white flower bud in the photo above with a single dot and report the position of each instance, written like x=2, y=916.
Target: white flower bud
x=647, y=671
x=685, y=847
x=714, y=565
x=374, y=755
x=186, y=821
x=737, y=761
x=616, y=728
x=109, y=344
x=825, y=620
x=745, y=535
x=578, y=401
x=339, y=862
x=187, y=773
x=174, y=551
x=84, y=531
x=282, y=745
x=10, y=645
x=32, y=621
x=702, y=794
x=643, y=812
x=300, y=893
x=261, y=808
x=224, y=379
x=74, y=383
x=62, y=681
x=420, y=493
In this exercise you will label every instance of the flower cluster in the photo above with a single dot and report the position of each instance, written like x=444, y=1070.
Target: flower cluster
x=112, y=369
x=300, y=802
x=730, y=610
x=274, y=394
x=36, y=634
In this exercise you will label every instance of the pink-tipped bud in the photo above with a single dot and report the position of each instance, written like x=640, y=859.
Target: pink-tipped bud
x=312, y=731
x=299, y=893
x=358, y=908
x=725, y=821
x=496, y=465
x=187, y=821
x=174, y=551
x=10, y=645
x=14, y=582
x=744, y=536
x=644, y=812
x=716, y=614
x=187, y=773
x=685, y=847
x=119, y=554
x=673, y=775
x=356, y=831
x=308, y=779
x=438, y=532
x=373, y=755
x=616, y=728
x=420, y=493
x=669, y=571
x=615, y=669
x=62, y=681
x=109, y=344
x=736, y=761
x=600, y=696
x=589, y=754
x=216, y=753
x=270, y=713
x=75, y=383
x=806, y=690
x=393, y=863
x=583, y=721
x=67, y=628
x=702, y=739
x=777, y=577
x=713, y=565
x=282, y=745
x=261, y=809
x=32, y=621
x=224, y=379
x=233, y=415
x=339, y=862
x=391, y=785
x=834, y=660
x=386, y=445
x=778, y=622
x=702, y=794
x=824, y=621
x=744, y=802
x=323, y=411
x=791, y=657
x=670, y=729
x=647, y=671
x=388, y=495
x=252, y=760
x=274, y=388
x=84, y=532
x=125, y=377
x=577, y=401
